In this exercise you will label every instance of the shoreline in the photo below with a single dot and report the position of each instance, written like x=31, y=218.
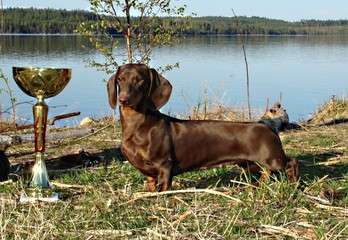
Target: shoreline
x=180, y=36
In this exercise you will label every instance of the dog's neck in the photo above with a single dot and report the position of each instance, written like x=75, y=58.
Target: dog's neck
x=133, y=118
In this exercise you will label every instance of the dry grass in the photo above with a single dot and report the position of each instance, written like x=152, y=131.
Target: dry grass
x=217, y=111
x=334, y=110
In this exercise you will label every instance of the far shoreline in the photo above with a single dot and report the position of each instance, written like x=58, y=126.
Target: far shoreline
x=180, y=36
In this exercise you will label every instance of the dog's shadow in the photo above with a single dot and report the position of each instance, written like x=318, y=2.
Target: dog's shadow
x=313, y=166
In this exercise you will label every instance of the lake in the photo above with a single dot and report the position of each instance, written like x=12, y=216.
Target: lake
x=307, y=70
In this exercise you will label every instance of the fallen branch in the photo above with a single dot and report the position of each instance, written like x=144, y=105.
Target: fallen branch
x=138, y=196
x=331, y=122
x=109, y=232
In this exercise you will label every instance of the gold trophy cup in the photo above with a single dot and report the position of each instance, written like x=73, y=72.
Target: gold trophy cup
x=41, y=83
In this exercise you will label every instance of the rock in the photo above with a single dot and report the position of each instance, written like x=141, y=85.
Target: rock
x=86, y=122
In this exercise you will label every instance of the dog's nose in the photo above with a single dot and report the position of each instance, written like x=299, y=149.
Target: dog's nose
x=123, y=99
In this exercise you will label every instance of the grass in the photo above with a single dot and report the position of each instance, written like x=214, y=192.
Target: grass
x=108, y=203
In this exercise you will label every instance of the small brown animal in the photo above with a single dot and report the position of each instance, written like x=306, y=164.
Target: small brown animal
x=161, y=146
x=4, y=164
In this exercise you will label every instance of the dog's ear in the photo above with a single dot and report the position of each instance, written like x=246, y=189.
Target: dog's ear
x=112, y=90
x=160, y=89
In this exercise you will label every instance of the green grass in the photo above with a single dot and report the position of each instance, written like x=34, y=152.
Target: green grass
x=101, y=201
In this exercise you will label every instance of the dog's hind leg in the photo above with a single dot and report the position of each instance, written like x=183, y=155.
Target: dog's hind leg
x=292, y=169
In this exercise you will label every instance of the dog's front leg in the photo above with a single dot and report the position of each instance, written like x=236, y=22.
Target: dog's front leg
x=165, y=177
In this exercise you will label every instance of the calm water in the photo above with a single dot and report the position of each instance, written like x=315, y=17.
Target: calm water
x=307, y=70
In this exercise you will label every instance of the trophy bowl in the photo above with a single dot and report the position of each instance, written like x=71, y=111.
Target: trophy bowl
x=47, y=82
x=41, y=83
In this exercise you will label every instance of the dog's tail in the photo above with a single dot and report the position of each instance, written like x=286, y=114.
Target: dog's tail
x=292, y=169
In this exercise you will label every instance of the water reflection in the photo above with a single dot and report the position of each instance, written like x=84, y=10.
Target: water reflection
x=307, y=70
x=43, y=45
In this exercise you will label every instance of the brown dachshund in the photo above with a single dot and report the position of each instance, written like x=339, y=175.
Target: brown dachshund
x=161, y=146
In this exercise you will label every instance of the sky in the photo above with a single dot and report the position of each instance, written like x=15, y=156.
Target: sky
x=291, y=10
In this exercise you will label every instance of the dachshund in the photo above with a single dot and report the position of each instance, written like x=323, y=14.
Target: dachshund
x=161, y=146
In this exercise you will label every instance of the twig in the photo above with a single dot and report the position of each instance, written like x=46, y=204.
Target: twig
x=93, y=133
x=247, y=69
x=183, y=216
x=267, y=106
x=248, y=82
x=316, y=183
x=333, y=161
x=17, y=104
x=272, y=230
x=317, y=199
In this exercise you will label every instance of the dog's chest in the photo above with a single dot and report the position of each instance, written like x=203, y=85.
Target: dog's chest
x=139, y=155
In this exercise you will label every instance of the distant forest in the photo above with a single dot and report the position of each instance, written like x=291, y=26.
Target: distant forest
x=52, y=21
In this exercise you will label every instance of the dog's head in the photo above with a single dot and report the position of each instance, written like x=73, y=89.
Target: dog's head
x=134, y=83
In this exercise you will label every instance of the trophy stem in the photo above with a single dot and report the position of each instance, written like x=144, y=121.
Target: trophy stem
x=40, y=112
